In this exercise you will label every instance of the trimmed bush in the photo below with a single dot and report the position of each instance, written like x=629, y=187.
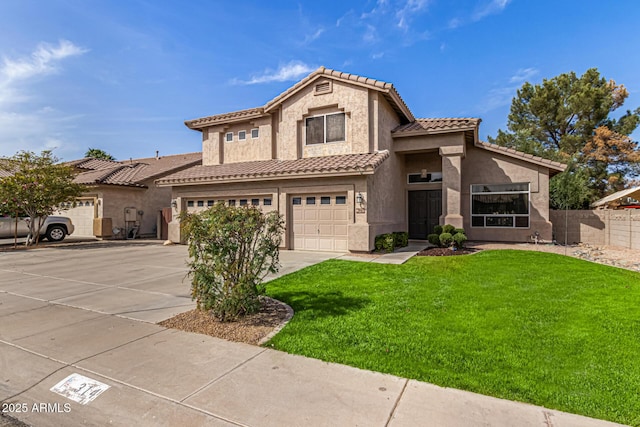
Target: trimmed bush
x=402, y=238
x=449, y=236
x=437, y=230
x=389, y=242
x=446, y=239
x=459, y=239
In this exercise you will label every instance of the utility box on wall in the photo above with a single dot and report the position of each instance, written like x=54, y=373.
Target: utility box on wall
x=102, y=227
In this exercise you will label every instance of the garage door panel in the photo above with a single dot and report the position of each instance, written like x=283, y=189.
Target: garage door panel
x=325, y=215
x=340, y=215
x=325, y=230
x=310, y=215
x=319, y=226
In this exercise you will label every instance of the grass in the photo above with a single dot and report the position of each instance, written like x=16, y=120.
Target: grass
x=527, y=326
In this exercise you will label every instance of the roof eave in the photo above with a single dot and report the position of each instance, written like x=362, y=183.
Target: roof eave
x=432, y=132
x=274, y=177
x=549, y=164
x=191, y=124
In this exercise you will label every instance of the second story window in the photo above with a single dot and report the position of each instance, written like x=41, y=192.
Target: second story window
x=228, y=137
x=255, y=132
x=242, y=135
x=325, y=128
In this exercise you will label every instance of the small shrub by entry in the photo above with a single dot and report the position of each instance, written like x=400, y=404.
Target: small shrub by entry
x=447, y=236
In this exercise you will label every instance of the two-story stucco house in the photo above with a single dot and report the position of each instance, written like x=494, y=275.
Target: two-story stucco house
x=343, y=159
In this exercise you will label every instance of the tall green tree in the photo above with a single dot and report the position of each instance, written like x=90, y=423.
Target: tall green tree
x=38, y=184
x=568, y=118
x=97, y=153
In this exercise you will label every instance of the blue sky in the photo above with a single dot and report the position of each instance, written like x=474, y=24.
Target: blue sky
x=123, y=75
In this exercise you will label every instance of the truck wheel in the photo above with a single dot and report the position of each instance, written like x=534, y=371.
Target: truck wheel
x=56, y=233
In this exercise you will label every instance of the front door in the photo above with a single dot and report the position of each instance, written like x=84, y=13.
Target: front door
x=425, y=208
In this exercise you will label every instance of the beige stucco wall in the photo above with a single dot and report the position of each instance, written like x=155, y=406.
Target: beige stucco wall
x=483, y=167
x=386, y=198
x=352, y=100
x=281, y=191
x=216, y=150
x=112, y=201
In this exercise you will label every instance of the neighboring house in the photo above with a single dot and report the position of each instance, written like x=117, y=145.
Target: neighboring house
x=343, y=159
x=628, y=198
x=122, y=196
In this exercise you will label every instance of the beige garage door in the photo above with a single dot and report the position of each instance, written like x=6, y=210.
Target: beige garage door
x=81, y=216
x=265, y=203
x=320, y=222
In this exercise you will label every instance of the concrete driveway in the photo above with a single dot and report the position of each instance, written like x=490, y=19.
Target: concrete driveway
x=137, y=280
x=88, y=312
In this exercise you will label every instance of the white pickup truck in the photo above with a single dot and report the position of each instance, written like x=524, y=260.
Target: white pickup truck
x=54, y=229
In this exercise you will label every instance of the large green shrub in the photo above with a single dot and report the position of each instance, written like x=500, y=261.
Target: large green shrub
x=232, y=249
x=447, y=236
x=401, y=238
x=389, y=241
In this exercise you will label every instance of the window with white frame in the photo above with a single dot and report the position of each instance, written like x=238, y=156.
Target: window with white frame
x=255, y=132
x=228, y=136
x=500, y=205
x=325, y=128
x=242, y=135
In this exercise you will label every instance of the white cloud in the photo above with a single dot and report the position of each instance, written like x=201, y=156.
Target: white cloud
x=25, y=123
x=410, y=8
x=377, y=55
x=454, y=23
x=311, y=37
x=490, y=8
x=502, y=96
x=44, y=60
x=370, y=35
x=523, y=74
x=293, y=70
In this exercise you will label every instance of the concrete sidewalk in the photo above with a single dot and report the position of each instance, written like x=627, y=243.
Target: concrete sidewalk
x=92, y=312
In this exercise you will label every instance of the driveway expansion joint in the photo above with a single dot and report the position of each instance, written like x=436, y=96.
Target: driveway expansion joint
x=397, y=402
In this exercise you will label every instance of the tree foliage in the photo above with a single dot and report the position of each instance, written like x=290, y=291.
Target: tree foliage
x=568, y=119
x=232, y=249
x=36, y=186
x=97, y=153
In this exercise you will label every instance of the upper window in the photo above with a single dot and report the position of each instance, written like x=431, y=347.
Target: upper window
x=242, y=135
x=418, y=178
x=325, y=128
x=500, y=205
x=228, y=136
x=255, y=133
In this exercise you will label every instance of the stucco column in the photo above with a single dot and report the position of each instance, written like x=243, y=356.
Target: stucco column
x=174, y=226
x=451, y=185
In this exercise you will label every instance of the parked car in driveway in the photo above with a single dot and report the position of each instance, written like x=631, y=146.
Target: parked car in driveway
x=54, y=229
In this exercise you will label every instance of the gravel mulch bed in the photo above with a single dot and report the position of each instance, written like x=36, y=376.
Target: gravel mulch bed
x=254, y=329
x=446, y=252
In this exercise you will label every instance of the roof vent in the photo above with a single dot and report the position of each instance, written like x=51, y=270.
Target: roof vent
x=323, y=87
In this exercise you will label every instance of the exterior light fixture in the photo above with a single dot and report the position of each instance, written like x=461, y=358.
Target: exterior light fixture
x=359, y=198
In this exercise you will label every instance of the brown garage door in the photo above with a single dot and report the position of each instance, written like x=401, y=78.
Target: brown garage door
x=320, y=222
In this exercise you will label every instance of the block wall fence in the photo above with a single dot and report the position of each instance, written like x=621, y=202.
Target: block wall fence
x=597, y=227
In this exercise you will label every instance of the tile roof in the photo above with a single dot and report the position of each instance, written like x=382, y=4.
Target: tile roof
x=132, y=173
x=387, y=89
x=551, y=164
x=436, y=125
x=225, y=118
x=265, y=169
x=90, y=163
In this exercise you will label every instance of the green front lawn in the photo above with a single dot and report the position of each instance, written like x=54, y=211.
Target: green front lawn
x=528, y=326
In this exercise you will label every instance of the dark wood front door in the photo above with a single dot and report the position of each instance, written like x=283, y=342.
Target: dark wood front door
x=425, y=208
